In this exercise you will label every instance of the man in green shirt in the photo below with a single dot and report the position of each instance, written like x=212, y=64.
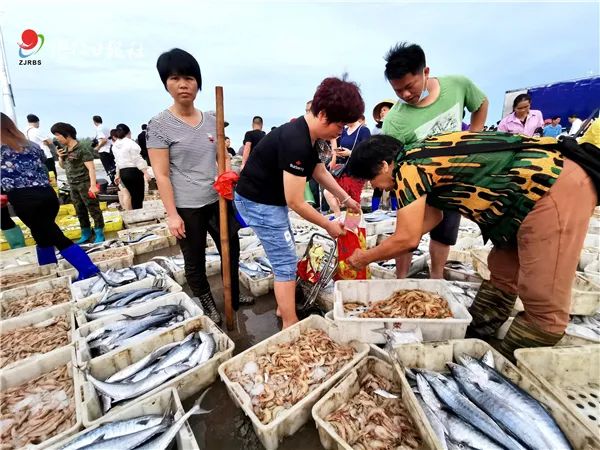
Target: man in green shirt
x=429, y=106
x=78, y=162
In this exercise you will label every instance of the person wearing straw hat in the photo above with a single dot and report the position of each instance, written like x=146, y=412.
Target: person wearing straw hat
x=379, y=112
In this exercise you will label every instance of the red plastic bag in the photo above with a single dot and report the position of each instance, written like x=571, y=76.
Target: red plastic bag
x=225, y=184
x=309, y=267
x=355, y=238
x=3, y=200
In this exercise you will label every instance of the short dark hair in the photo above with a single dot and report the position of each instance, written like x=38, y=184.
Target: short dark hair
x=178, y=62
x=64, y=129
x=521, y=98
x=113, y=133
x=368, y=156
x=144, y=126
x=32, y=118
x=556, y=117
x=122, y=130
x=227, y=137
x=257, y=120
x=572, y=116
x=339, y=99
x=97, y=119
x=404, y=58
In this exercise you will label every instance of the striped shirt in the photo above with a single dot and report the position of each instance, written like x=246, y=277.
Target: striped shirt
x=192, y=156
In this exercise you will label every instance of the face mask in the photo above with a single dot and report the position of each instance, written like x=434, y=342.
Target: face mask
x=424, y=92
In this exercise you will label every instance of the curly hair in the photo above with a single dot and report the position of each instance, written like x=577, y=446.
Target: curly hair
x=64, y=129
x=339, y=99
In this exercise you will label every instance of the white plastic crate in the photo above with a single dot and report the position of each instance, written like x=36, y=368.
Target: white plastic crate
x=192, y=310
x=85, y=304
x=370, y=291
x=158, y=243
x=136, y=216
x=33, y=273
x=34, y=318
x=259, y=286
x=163, y=402
x=23, y=257
x=289, y=421
x=118, y=262
x=23, y=373
x=381, y=273
x=19, y=293
x=186, y=384
x=349, y=386
x=569, y=374
x=433, y=356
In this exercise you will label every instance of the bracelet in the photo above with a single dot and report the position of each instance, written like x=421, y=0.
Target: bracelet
x=345, y=200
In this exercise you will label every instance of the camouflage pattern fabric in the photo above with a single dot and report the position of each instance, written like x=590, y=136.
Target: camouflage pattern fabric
x=490, y=309
x=523, y=334
x=84, y=204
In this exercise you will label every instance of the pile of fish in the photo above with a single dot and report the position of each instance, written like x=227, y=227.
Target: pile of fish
x=35, y=301
x=258, y=267
x=37, y=409
x=464, y=292
x=286, y=373
x=149, y=432
x=142, y=237
x=120, y=277
x=390, y=264
x=117, y=302
x=35, y=339
x=171, y=264
x=409, y=303
x=90, y=249
x=375, y=418
x=456, y=270
x=587, y=327
x=155, y=369
x=477, y=407
x=132, y=328
x=7, y=280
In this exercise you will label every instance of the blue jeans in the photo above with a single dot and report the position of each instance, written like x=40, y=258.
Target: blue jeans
x=272, y=226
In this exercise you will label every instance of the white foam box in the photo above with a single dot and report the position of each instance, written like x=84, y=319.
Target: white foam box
x=212, y=267
x=33, y=273
x=371, y=291
x=162, y=403
x=19, y=293
x=192, y=310
x=257, y=287
x=118, y=262
x=292, y=419
x=349, y=386
x=186, y=384
x=81, y=306
x=16, y=376
x=434, y=356
x=34, y=318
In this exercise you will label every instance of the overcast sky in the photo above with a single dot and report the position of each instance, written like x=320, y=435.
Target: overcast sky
x=270, y=56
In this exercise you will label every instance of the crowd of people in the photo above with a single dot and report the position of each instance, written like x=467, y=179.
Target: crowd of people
x=515, y=183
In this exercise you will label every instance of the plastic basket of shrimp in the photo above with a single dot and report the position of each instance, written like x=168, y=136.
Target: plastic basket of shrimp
x=277, y=382
x=24, y=300
x=35, y=335
x=121, y=300
x=185, y=358
x=40, y=403
x=19, y=276
x=112, y=258
x=364, y=307
x=110, y=333
x=371, y=409
x=475, y=398
x=569, y=374
x=157, y=422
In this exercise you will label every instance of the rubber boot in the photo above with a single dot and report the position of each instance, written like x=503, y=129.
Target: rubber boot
x=81, y=261
x=99, y=235
x=490, y=309
x=86, y=234
x=210, y=308
x=523, y=334
x=375, y=201
x=45, y=255
x=14, y=237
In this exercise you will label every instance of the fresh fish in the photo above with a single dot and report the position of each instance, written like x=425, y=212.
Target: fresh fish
x=133, y=295
x=179, y=354
x=125, y=391
x=162, y=442
x=108, y=310
x=142, y=373
x=253, y=269
x=134, y=368
x=488, y=359
x=204, y=351
x=469, y=412
x=128, y=441
x=264, y=263
x=436, y=424
x=141, y=238
x=114, y=429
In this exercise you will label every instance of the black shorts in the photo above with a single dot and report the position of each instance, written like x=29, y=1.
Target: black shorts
x=446, y=232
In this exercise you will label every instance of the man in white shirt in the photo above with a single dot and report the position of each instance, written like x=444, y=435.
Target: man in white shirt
x=575, y=124
x=103, y=148
x=34, y=135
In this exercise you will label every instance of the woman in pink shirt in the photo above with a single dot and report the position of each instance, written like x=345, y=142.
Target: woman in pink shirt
x=523, y=119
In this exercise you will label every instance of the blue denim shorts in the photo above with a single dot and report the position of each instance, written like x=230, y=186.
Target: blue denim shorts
x=272, y=226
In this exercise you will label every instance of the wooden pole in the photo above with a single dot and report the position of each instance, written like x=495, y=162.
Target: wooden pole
x=223, y=215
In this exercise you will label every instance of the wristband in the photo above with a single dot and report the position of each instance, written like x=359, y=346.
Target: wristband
x=345, y=200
